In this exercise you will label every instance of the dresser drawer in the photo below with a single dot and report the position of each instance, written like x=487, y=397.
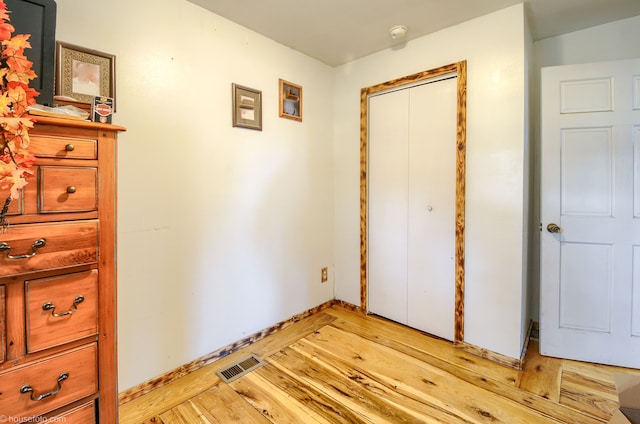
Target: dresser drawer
x=63, y=147
x=61, y=309
x=39, y=247
x=85, y=414
x=52, y=383
x=67, y=189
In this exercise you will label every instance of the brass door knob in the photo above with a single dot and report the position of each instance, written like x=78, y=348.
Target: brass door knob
x=71, y=189
x=69, y=147
x=553, y=228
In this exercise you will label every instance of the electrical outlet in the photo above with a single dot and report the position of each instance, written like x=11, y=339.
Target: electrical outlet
x=324, y=274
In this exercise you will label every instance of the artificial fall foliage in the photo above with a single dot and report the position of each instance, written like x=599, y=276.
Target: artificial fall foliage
x=15, y=97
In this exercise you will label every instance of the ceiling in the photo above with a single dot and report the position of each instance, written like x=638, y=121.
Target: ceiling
x=339, y=31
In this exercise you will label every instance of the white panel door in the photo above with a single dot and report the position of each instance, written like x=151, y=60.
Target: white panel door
x=590, y=241
x=431, y=212
x=412, y=170
x=388, y=198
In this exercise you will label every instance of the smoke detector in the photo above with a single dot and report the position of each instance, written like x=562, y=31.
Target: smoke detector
x=398, y=32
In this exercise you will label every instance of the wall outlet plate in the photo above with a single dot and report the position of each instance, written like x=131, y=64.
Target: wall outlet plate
x=324, y=274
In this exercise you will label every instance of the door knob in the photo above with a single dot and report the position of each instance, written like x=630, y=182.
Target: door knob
x=553, y=228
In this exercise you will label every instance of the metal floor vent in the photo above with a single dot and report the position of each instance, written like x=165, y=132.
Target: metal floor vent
x=240, y=368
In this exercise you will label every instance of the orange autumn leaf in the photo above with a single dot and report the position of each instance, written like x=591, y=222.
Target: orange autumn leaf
x=18, y=42
x=18, y=180
x=31, y=93
x=18, y=62
x=19, y=99
x=24, y=158
x=5, y=103
x=23, y=77
x=15, y=124
x=22, y=138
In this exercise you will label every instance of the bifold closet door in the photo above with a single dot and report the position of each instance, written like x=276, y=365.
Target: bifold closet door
x=431, y=208
x=412, y=168
x=388, y=200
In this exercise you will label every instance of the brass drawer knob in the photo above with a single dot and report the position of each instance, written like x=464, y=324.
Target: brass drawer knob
x=69, y=147
x=71, y=189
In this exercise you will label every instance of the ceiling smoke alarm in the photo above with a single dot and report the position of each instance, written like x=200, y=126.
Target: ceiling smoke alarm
x=398, y=32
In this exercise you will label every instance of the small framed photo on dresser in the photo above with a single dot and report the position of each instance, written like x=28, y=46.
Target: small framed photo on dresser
x=82, y=74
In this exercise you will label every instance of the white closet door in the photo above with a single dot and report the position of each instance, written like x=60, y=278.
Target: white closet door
x=388, y=197
x=412, y=169
x=431, y=208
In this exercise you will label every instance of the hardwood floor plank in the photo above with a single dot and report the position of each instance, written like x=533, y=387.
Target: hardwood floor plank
x=588, y=394
x=588, y=403
x=277, y=404
x=224, y=405
x=541, y=375
x=602, y=388
x=366, y=395
x=185, y=413
x=183, y=389
x=589, y=388
x=597, y=372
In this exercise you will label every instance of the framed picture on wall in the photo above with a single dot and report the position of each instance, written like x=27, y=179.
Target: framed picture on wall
x=290, y=101
x=247, y=107
x=82, y=74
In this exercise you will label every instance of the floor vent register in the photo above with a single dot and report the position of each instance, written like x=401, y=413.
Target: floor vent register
x=240, y=368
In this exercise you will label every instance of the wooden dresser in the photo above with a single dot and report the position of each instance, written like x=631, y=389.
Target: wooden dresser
x=58, y=350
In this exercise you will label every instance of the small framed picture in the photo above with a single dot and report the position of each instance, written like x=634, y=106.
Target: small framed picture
x=82, y=74
x=290, y=101
x=247, y=107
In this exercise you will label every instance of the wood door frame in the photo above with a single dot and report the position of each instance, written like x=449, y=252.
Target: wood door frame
x=460, y=70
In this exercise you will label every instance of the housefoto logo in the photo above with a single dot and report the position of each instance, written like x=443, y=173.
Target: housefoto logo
x=9, y=419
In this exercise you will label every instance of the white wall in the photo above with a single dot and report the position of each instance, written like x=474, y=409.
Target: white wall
x=494, y=47
x=614, y=41
x=222, y=231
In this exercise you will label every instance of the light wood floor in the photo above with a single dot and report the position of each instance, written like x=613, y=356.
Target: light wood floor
x=339, y=366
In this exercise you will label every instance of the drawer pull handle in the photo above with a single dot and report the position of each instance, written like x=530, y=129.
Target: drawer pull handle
x=34, y=249
x=49, y=306
x=71, y=189
x=29, y=389
x=69, y=147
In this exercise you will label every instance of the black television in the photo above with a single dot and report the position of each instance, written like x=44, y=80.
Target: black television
x=38, y=18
